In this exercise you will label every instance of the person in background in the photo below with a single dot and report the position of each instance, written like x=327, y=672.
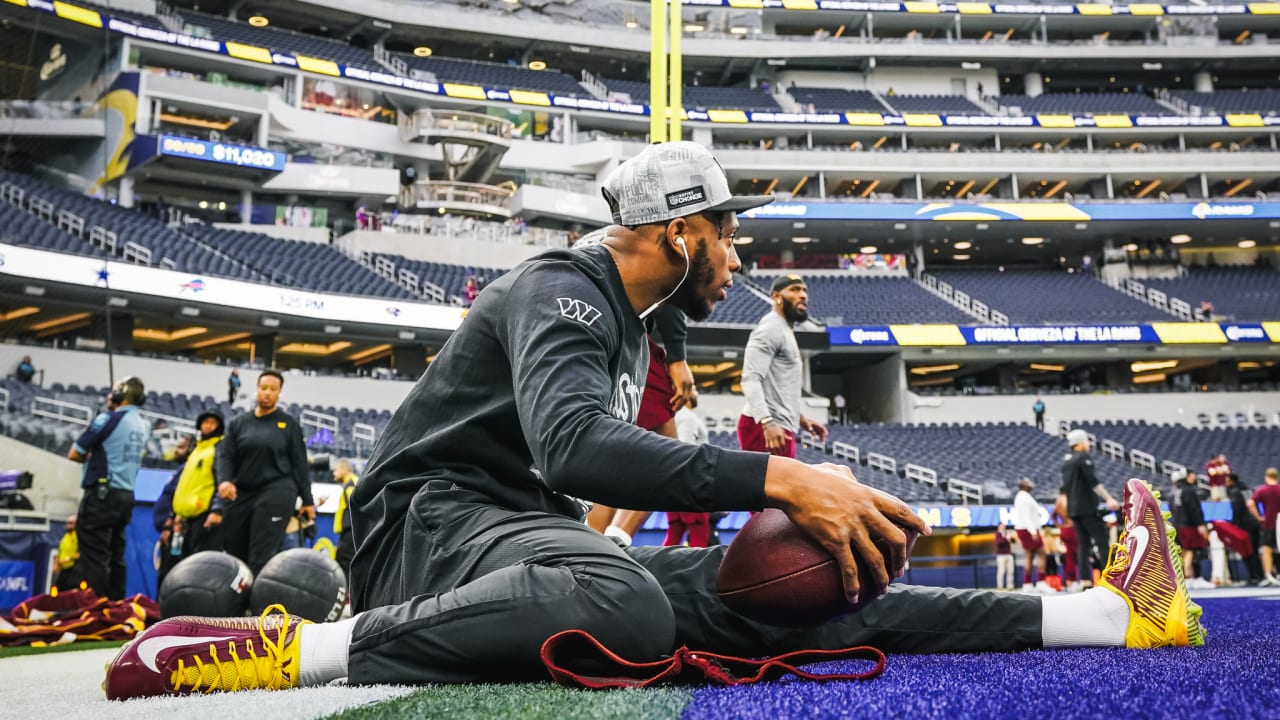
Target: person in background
x=773, y=375
x=1217, y=469
x=261, y=469
x=697, y=525
x=1083, y=493
x=1193, y=533
x=66, y=577
x=197, y=508
x=162, y=515
x=470, y=291
x=111, y=450
x=344, y=475
x=25, y=370
x=1269, y=497
x=1004, y=558
x=1037, y=407
x=1026, y=521
x=1244, y=515
x=233, y=387
x=1070, y=542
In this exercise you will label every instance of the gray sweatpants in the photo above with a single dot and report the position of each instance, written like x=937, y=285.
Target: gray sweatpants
x=478, y=588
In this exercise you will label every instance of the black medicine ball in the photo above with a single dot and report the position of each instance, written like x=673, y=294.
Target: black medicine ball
x=207, y=584
x=307, y=583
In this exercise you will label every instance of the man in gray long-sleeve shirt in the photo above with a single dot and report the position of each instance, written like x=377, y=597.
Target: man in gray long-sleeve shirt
x=773, y=375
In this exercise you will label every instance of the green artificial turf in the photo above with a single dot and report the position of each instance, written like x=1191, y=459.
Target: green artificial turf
x=533, y=701
x=15, y=651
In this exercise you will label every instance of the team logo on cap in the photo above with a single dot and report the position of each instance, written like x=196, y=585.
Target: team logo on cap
x=688, y=196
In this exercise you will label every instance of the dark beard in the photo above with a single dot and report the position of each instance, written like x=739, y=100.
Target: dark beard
x=687, y=296
x=792, y=313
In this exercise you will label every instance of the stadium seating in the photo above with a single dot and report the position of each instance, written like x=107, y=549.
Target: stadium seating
x=836, y=100
x=449, y=278
x=877, y=301
x=1097, y=103
x=941, y=104
x=1237, y=293
x=1250, y=450
x=992, y=455
x=497, y=75
x=1232, y=101
x=701, y=96
x=22, y=228
x=1060, y=297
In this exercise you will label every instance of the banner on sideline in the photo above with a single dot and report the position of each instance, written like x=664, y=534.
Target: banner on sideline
x=943, y=335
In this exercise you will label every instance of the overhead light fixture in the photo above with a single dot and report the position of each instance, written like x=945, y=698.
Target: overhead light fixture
x=166, y=335
x=868, y=249
x=981, y=226
x=19, y=313
x=259, y=21
x=970, y=66
x=743, y=240
x=738, y=30
x=537, y=65
x=271, y=322
x=1047, y=368
x=929, y=369
x=189, y=311
x=1152, y=66
x=422, y=51
x=1032, y=241
x=899, y=226
x=1152, y=378
x=1180, y=239
x=801, y=240
x=33, y=290
x=405, y=335
x=1246, y=244
x=117, y=301
x=776, y=61
x=963, y=245
x=1131, y=247
x=632, y=24
x=959, y=257
x=333, y=329
x=1082, y=226
x=1149, y=365
x=301, y=348
x=58, y=322
x=694, y=27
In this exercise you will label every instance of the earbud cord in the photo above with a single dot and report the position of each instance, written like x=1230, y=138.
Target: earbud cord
x=655, y=306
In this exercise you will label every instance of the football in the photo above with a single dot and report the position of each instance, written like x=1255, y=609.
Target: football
x=775, y=573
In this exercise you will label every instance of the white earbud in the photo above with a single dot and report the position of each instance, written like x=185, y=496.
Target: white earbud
x=683, y=247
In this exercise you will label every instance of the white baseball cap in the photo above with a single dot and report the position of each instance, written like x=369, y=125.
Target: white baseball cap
x=1076, y=437
x=670, y=180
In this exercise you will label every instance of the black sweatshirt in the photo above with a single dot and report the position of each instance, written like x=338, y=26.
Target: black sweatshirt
x=256, y=451
x=1079, y=478
x=532, y=402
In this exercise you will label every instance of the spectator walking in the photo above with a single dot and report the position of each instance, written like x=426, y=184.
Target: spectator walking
x=1217, y=469
x=261, y=470
x=233, y=387
x=25, y=370
x=773, y=375
x=1083, y=493
x=1269, y=497
x=111, y=450
x=1037, y=407
x=1004, y=558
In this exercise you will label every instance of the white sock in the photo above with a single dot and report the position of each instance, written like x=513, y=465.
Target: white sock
x=623, y=537
x=323, y=650
x=1094, y=618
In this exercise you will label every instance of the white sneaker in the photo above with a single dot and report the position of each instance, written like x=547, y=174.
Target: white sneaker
x=1200, y=584
x=1028, y=588
x=1269, y=582
x=1073, y=587
x=1045, y=588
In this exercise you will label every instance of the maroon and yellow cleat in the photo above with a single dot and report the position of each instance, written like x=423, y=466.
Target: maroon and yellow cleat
x=188, y=655
x=1145, y=569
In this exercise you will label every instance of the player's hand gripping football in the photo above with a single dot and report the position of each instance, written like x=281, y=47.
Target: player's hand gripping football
x=845, y=517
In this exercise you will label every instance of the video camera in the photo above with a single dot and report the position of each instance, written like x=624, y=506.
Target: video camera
x=12, y=483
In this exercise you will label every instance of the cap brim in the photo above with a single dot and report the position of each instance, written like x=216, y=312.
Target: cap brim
x=742, y=203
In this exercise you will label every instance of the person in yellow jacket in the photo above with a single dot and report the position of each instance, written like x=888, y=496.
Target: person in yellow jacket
x=197, y=509
x=345, y=476
x=66, y=577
